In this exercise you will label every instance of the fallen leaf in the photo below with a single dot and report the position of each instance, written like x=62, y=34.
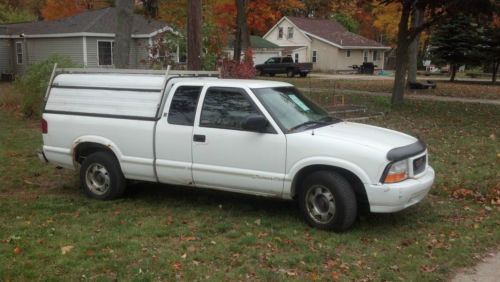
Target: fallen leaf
x=17, y=250
x=177, y=266
x=66, y=249
x=184, y=256
x=257, y=221
x=90, y=253
x=427, y=268
x=188, y=238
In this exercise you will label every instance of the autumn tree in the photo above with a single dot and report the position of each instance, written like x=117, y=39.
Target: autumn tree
x=56, y=9
x=437, y=12
x=9, y=14
x=123, y=34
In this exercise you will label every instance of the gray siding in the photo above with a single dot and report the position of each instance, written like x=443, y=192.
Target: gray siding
x=39, y=49
x=5, y=55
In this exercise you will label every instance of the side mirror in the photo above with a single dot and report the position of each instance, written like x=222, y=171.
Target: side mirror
x=256, y=123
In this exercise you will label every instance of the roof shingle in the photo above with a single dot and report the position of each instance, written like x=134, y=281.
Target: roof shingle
x=332, y=31
x=96, y=21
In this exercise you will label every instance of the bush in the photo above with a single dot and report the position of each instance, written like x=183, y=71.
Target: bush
x=33, y=84
x=243, y=69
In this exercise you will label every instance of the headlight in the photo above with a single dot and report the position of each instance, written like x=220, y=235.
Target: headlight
x=397, y=172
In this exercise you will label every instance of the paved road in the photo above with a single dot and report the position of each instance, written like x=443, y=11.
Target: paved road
x=387, y=77
x=413, y=97
x=486, y=271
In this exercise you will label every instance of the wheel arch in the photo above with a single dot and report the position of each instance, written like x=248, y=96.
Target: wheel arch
x=351, y=177
x=85, y=146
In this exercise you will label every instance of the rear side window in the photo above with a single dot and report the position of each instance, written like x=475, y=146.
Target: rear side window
x=225, y=108
x=183, y=106
x=287, y=60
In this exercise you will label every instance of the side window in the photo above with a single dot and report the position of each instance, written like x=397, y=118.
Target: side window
x=287, y=60
x=183, y=105
x=280, y=32
x=225, y=108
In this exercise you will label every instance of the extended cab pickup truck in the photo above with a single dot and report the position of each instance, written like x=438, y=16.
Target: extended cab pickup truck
x=247, y=136
x=286, y=65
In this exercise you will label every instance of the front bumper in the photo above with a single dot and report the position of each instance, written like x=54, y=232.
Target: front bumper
x=386, y=198
x=41, y=155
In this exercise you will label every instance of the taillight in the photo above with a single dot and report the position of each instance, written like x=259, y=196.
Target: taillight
x=44, y=126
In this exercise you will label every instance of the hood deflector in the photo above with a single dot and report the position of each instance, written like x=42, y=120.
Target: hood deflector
x=404, y=152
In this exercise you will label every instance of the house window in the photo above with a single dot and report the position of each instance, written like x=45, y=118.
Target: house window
x=19, y=53
x=289, y=33
x=348, y=53
x=375, y=55
x=296, y=57
x=280, y=33
x=315, y=56
x=365, y=56
x=105, y=52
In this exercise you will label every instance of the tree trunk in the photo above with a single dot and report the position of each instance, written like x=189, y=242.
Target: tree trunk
x=400, y=75
x=124, y=22
x=398, y=90
x=416, y=20
x=242, y=35
x=494, y=72
x=194, y=41
x=454, y=69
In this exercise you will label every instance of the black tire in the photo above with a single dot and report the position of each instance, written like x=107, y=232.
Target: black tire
x=101, y=177
x=314, y=205
x=260, y=72
x=272, y=74
x=303, y=74
x=290, y=73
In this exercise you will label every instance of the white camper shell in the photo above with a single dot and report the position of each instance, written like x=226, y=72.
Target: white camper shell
x=247, y=136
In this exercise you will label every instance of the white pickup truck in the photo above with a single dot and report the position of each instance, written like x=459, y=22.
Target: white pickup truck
x=247, y=136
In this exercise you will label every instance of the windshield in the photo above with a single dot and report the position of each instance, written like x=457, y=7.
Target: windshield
x=292, y=111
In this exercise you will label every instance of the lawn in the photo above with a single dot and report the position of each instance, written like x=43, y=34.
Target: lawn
x=50, y=231
x=481, y=90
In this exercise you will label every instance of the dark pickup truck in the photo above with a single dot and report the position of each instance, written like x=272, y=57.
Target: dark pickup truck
x=286, y=65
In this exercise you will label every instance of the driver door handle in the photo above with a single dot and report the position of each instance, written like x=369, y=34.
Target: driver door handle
x=199, y=138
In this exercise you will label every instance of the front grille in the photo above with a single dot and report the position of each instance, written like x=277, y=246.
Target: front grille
x=419, y=165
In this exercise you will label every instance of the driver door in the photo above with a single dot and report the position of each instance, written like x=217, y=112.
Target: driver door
x=229, y=158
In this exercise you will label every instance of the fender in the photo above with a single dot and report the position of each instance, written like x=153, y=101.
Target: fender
x=99, y=140
x=327, y=161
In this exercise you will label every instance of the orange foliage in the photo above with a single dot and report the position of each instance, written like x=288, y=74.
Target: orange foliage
x=262, y=14
x=56, y=9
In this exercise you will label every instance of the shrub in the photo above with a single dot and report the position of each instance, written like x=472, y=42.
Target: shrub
x=243, y=69
x=33, y=84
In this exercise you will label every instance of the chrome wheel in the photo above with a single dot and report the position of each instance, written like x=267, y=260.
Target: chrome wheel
x=320, y=204
x=97, y=179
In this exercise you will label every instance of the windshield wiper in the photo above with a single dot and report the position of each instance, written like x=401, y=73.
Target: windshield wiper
x=310, y=122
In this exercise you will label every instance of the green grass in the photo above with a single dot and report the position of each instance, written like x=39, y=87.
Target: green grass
x=160, y=232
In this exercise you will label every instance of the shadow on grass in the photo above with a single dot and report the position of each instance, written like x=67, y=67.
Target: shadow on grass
x=242, y=204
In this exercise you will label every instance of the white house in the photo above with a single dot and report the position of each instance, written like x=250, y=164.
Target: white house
x=325, y=43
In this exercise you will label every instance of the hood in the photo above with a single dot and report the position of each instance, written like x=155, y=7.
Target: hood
x=377, y=138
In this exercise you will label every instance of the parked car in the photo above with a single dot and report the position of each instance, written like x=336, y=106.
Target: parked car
x=276, y=65
x=247, y=136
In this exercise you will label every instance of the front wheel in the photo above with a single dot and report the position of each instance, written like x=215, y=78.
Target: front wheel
x=290, y=73
x=101, y=177
x=327, y=201
x=303, y=74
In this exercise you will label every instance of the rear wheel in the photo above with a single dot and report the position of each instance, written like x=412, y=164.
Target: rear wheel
x=101, y=177
x=303, y=74
x=290, y=73
x=260, y=72
x=327, y=201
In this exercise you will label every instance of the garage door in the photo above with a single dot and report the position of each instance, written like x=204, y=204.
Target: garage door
x=261, y=57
